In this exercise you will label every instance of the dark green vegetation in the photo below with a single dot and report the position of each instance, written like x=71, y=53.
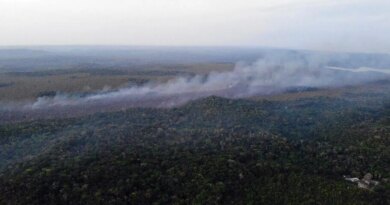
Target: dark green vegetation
x=211, y=151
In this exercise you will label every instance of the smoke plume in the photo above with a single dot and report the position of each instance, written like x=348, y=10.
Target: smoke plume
x=269, y=75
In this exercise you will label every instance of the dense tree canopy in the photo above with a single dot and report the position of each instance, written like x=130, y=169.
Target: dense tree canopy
x=211, y=151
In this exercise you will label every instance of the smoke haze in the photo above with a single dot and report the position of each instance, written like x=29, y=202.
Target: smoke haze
x=268, y=75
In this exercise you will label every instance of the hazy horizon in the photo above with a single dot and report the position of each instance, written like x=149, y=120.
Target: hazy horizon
x=325, y=25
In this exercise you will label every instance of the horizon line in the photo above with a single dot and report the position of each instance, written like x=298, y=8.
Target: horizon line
x=181, y=46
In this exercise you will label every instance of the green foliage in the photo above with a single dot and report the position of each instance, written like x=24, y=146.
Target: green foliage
x=212, y=151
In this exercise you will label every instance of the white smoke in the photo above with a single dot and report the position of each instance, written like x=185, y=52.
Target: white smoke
x=270, y=74
x=361, y=69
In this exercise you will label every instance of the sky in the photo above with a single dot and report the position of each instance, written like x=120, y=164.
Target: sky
x=331, y=25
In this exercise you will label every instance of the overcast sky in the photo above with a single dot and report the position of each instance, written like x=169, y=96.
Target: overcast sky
x=341, y=25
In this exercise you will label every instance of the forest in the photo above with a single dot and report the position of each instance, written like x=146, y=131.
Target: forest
x=194, y=102
x=210, y=151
